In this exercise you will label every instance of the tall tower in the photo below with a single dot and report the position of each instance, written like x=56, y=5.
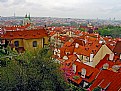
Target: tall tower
x=29, y=16
x=26, y=20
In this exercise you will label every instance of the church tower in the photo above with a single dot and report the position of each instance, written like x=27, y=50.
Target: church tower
x=26, y=20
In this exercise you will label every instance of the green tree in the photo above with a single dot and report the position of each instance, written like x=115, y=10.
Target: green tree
x=82, y=29
x=41, y=73
x=113, y=31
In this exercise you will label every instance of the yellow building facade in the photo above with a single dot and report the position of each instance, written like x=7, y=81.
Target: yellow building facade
x=30, y=44
x=27, y=40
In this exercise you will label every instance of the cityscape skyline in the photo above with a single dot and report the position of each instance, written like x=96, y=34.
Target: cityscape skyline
x=83, y=9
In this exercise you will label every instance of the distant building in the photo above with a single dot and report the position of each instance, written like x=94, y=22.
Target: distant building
x=26, y=20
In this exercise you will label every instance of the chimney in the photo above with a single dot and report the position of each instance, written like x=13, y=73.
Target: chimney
x=115, y=68
x=111, y=56
x=91, y=57
x=76, y=45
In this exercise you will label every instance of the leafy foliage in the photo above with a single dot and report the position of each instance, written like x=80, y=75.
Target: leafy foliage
x=32, y=72
x=82, y=29
x=76, y=77
x=113, y=31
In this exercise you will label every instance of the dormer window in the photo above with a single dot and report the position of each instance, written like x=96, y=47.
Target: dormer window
x=34, y=43
x=68, y=64
x=74, y=68
x=83, y=72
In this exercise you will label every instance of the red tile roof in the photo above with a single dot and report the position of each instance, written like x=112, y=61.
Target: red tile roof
x=109, y=79
x=26, y=34
x=62, y=51
x=16, y=27
x=103, y=61
x=90, y=72
x=79, y=41
x=117, y=48
x=111, y=47
x=88, y=49
x=111, y=63
x=67, y=44
x=52, y=33
x=70, y=49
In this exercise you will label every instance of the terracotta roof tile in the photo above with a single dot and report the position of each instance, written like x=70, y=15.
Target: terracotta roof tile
x=117, y=48
x=106, y=78
x=90, y=72
x=26, y=34
x=111, y=63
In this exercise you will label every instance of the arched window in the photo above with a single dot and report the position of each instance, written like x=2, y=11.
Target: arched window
x=16, y=43
x=34, y=43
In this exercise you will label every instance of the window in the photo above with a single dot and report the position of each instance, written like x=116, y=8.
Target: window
x=81, y=57
x=34, y=43
x=16, y=43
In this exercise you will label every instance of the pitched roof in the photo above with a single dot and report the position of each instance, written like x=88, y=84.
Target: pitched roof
x=68, y=63
x=109, y=80
x=26, y=34
x=67, y=44
x=16, y=27
x=117, y=48
x=111, y=63
x=90, y=47
x=91, y=72
x=79, y=41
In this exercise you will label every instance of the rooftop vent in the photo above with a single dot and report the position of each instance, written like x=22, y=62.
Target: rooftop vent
x=115, y=68
x=105, y=66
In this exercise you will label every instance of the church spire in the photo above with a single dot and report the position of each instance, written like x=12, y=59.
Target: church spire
x=29, y=16
x=26, y=16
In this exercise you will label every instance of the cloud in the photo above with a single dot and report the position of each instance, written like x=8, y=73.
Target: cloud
x=3, y=1
x=63, y=8
x=16, y=2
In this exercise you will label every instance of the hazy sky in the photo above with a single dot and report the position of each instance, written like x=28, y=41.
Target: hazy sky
x=103, y=9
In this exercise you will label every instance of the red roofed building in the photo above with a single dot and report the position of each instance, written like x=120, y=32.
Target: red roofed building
x=79, y=73
x=108, y=81
x=27, y=39
x=117, y=49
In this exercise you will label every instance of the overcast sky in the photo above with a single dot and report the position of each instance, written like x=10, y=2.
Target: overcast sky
x=103, y=9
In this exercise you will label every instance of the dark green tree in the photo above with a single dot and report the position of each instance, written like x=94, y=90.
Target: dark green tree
x=32, y=72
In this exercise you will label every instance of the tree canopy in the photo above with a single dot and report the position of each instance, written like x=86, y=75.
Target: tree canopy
x=32, y=72
x=113, y=31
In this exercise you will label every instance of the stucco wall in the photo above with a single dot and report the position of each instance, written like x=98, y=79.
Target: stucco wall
x=21, y=44
x=101, y=54
x=28, y=44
